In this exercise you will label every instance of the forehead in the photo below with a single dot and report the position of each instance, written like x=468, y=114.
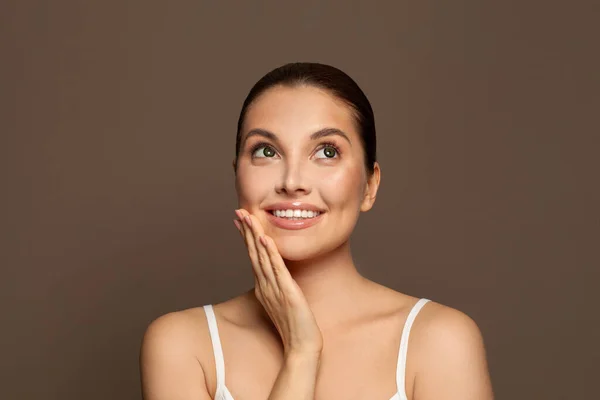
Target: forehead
x=298, y=111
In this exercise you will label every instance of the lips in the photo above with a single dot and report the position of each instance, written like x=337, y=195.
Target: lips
x=294, y=224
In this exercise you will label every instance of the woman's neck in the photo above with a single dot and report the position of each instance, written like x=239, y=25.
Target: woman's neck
x=332, y=286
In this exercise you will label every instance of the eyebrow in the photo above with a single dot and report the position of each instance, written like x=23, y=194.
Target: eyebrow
x=317, y=135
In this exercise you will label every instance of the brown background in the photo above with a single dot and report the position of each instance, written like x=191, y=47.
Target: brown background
x=118, y=130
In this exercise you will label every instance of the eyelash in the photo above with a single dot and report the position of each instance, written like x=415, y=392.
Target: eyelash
x=322, y=146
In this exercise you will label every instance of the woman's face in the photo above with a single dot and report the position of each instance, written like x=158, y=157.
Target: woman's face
x=279, y=162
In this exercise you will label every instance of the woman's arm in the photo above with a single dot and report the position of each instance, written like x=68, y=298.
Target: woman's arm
x=284, y=302
x=452, y=363
x=297, y=378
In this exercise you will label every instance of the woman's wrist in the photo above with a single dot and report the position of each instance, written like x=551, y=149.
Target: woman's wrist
x=297, y=377
x=304, y=354
x=302, y=358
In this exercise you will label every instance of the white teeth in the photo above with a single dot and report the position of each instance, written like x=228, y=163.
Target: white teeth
x=295, y=213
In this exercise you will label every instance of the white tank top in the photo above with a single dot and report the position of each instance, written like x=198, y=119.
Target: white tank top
x=223, y=393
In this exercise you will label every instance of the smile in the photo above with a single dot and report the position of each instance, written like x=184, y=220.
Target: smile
x=294, y=219
x=295, y=214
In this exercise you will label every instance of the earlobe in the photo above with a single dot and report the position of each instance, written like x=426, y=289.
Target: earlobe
x=368, y=201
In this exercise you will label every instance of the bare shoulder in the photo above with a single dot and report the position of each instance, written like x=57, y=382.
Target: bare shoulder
x=178, y=330
x=446, y=324
x=449, y=357
x=170, y=356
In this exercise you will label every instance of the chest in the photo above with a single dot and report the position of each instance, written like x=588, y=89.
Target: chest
x=358, y=364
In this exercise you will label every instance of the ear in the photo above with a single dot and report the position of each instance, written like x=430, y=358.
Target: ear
x=371, y=189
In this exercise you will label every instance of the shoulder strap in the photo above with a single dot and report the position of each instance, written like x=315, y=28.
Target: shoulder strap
x=216, y=343
x=401, y=368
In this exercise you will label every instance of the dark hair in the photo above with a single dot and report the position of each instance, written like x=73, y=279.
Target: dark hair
x=326, y=77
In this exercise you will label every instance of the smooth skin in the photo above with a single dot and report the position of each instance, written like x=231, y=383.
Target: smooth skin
x=312, y=327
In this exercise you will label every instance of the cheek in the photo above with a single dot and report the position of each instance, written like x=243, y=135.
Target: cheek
x=341, y=188
x=252, y=186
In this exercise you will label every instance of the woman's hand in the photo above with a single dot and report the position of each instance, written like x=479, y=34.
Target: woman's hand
x=278, y=292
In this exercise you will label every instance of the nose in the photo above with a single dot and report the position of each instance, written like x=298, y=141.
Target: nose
x=293, y=181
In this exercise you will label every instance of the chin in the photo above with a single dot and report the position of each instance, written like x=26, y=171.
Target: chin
x=297, y=248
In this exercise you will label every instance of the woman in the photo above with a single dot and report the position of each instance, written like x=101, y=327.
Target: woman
x=312, y=327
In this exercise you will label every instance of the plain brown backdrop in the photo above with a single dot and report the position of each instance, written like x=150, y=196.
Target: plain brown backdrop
x=118, y=130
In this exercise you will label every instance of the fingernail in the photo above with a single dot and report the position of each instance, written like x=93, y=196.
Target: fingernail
x=237, y=212
x=248, y=220
x=237, y=225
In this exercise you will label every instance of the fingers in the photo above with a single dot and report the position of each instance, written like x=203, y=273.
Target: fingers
x=249, y=235
x=239, y=227
x=256, y=249
x=262, y=253
x=277, y=264
x=251, y=246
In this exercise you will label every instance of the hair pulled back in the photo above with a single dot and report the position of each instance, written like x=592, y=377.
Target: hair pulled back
x=330, y=79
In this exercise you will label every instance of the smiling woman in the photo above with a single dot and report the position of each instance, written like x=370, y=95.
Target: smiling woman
x=312, y=327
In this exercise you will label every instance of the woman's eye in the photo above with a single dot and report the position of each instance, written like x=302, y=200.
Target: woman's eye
x=328, y=152
x=264, y=151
